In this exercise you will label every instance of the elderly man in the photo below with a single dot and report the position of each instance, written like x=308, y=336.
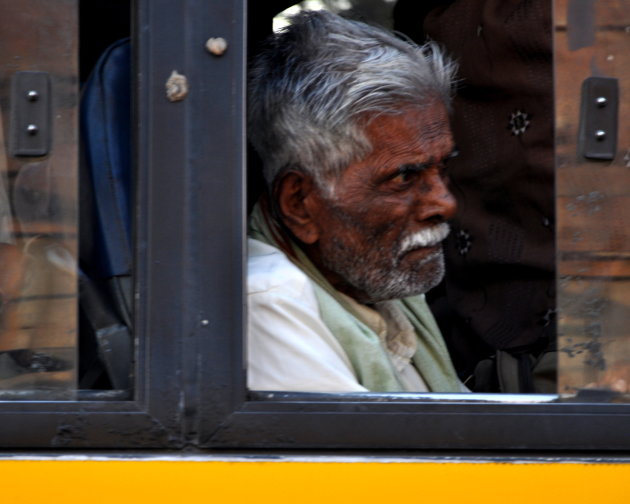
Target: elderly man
x=352, y=127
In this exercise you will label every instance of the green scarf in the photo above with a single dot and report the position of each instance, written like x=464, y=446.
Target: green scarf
x=362, y=345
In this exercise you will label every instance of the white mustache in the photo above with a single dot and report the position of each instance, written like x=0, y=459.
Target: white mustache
x=425, y=238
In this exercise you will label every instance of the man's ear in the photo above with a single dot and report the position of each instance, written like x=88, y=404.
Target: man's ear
x=296, y=193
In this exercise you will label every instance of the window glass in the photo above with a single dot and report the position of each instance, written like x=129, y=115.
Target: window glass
x=592, y=163
x=65, y=288
x=38, y=197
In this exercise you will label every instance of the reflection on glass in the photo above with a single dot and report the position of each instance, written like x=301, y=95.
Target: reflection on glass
x=592, y=196
x=38, y=197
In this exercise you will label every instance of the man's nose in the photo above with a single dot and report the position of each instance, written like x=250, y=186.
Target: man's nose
x=436, y=202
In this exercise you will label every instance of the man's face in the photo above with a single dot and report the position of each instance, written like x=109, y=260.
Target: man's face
x=381, y=233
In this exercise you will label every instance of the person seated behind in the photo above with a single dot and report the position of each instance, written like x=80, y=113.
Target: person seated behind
x=352, y=128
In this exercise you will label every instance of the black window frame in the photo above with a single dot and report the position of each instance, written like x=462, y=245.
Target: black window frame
x=190, y=309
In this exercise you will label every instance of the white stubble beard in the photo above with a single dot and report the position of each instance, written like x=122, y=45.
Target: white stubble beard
x=382, y=280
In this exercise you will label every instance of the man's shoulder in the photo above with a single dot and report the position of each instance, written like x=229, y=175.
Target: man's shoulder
x=269, y=269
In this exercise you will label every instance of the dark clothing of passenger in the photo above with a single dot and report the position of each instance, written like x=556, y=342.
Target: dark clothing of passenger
x=499, y=290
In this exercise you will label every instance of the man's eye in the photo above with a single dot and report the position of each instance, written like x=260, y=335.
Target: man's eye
x=402, y=177
x=406, y=174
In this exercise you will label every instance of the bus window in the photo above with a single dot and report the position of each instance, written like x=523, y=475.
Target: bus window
x=497, y=305
x=592, y=162
x=38, y=199
x=65, y=296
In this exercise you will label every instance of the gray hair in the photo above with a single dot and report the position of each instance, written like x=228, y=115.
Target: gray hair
x=320, y=77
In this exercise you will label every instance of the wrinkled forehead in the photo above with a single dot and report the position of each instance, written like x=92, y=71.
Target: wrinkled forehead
x=418, y=128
